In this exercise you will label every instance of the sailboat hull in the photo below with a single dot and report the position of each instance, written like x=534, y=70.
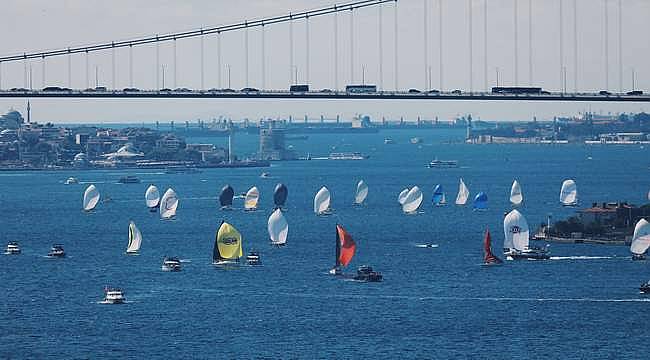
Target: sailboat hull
x=528, y=255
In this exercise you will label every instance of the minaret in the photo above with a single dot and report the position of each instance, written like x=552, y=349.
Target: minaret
x=231, y=156
x=29, y=111
x=468, y=136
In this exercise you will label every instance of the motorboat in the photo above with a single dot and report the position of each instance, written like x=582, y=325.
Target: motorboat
x=435, y=163
x=645, y=288
x=171, y=264
x=367, y=274
x=12, y=248
x=637, y=257
x=71, y=181
x=113, y=296
x=265, y=175
x=389, y=141
x=532, y=253
x=253, y=258
x=56, y=251
x=129, y=179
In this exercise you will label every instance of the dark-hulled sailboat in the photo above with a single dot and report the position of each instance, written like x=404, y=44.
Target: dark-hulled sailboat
x=280, y=195
x=345, y=248
x=489, y=258
x=225, y=198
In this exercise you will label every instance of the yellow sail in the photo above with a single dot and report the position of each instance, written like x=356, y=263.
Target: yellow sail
x=228, y=243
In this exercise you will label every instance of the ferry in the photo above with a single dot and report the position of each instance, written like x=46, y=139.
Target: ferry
x=129, y=179
x=113, y=296
x=347, y=156
x=367, y=274
x=12, y=248
x=56, y=251
x=442, y=163
x=171, y=264
x=71, y=181
x=253, y=258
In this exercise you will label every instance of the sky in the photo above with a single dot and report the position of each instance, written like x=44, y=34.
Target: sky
x=35, y=25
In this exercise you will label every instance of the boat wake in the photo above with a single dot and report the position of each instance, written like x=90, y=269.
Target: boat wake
x=104, y=302
x=426, y=245
x=582, y=257
x=186, y=261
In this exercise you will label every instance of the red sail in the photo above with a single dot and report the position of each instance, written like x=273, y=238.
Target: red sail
x=347, y=246
x=489, y=257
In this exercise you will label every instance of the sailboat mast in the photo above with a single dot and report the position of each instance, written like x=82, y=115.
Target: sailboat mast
x=337, y=262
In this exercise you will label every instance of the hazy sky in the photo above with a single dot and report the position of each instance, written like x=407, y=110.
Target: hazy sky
x=33, y=25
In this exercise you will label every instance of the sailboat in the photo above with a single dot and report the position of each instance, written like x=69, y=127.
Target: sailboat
x=227, y=245
x=345, y=248
x=402, y=196
x=640, y=240
x=361, y=194
x=516, y=196
x=438, y=198
x=225, y=198
x=569, y=193
x=517, y=239
x=489, y=258
x=251, y=199
x=280, y=195
x=135, y=239
x=278, y=228
x=480, y=201
x=412, y=201
x=322, y=202
x=463, y=193
x=91, y=198
x=152, y=198
x=168, y=204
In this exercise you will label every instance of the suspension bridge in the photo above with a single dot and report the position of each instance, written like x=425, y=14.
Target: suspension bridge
x=222, y=87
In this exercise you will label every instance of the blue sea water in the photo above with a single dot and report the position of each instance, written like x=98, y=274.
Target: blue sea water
x=434, y=302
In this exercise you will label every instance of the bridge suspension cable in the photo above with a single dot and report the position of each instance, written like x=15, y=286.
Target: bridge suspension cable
x=195, y=33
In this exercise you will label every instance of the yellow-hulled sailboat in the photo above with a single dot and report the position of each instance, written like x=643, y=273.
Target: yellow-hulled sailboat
x=227, y=245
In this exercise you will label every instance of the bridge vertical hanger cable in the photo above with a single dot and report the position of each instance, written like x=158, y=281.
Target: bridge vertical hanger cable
x=471, y=47
x=426, y=42
x=620, y=46
x=351, y=45
x=485, y=44
x=113, y=67
x=307, y=50
x=336, y=51
x=530, y=43
x=561, y=53
x=69, y=70
x=175, y=65
x=202, y=63
x=380, y=47
x=606, y=36
x=157, y=64
x=575, y=46
x=291, y=65
x=0, y=75
x=87, y=71
x=246, y=54
x=263, y=57
x=42, y=72
x=396, y=52
x=219, y=69
x=131, y=66
x=516, y=42
x=441, y=45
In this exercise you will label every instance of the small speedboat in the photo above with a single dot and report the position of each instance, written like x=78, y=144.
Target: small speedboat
x=12, y=248
x=265, y=175
x=56, y=251
x=532, y=253
x=171, y=264
x=129, y=179
x=113, y=296
x=253, y=258
x=645, y=288
x=367, y=274
x=638, y=256
x=71, y=181
x=388, y=141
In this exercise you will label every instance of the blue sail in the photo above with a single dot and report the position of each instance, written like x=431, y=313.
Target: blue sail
x=480, y=201
x=438, y=194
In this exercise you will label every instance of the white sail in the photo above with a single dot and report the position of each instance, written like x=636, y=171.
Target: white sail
x=168, y=204
x=516, y=231
x=413, y=200
x=278, y=228
x=362, y=192
x=569, y=193
x=322, y=201
x=152, y=196
x=641, y=237
x=463, y=193
x=402, y=196
x=91, y=198
x=648, y=194
x=516, y=196
x=443, y=201
x=252, y=197
x=135, y=238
